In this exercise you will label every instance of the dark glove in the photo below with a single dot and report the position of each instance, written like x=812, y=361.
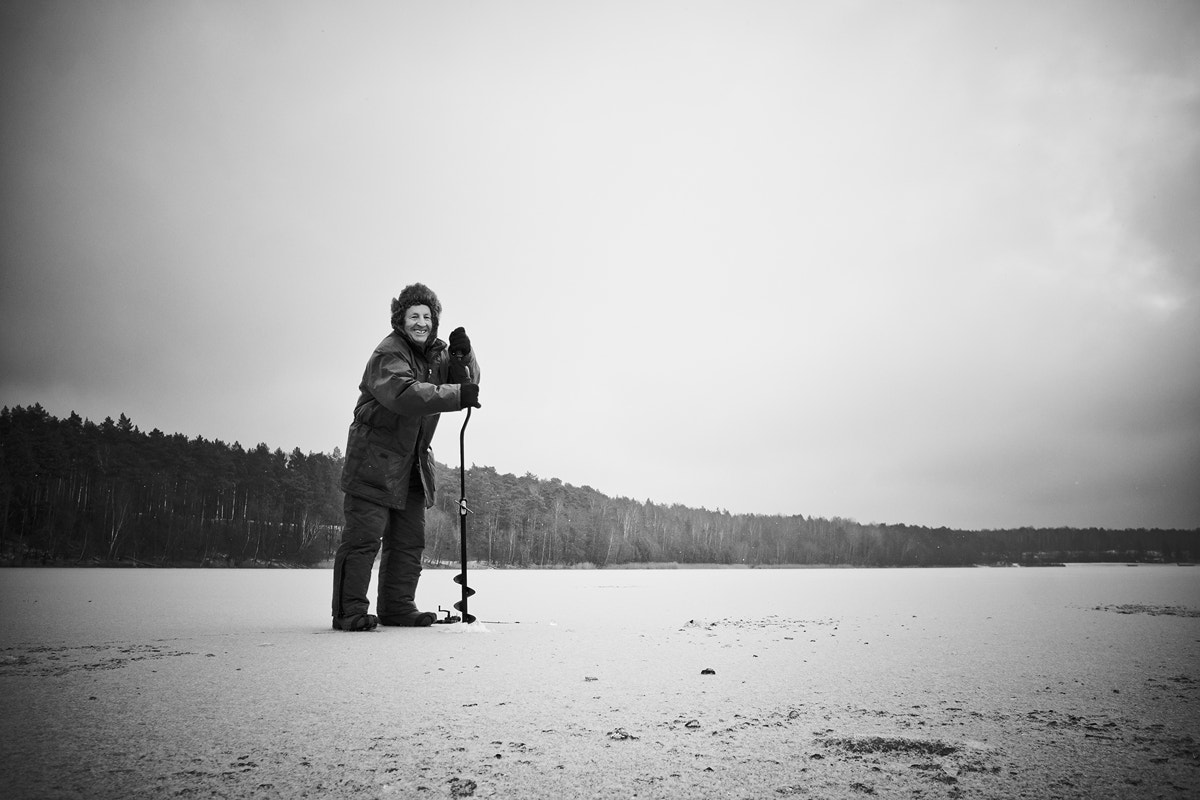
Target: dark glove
x=469, y=394
x=460, y=345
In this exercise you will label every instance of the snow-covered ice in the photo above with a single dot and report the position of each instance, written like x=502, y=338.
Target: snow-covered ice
x=1077, y=681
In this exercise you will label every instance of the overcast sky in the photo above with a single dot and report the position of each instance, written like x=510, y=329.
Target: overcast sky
x=930, y=262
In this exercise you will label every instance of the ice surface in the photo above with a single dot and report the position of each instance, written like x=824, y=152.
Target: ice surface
x=660, y=683
x=91, y=604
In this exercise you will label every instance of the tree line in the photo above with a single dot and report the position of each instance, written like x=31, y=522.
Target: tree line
x=72, y=491
x=75, y=491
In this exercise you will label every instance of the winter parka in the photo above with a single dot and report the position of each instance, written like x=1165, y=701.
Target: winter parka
x=404, y=388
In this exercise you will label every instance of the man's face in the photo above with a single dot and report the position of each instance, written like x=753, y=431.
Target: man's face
x=418, y=323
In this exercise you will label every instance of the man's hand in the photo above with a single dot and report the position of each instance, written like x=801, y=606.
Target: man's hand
x=460, y=343
x=469, y=394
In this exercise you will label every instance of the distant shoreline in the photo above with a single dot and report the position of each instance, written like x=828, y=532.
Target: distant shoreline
x=656, y=565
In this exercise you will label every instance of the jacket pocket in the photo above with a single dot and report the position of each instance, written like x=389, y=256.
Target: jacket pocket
x=370, y=465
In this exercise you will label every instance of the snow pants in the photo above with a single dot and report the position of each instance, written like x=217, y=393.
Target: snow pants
x=402, y=535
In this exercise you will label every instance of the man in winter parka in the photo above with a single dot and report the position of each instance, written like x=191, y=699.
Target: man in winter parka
x=388, y=477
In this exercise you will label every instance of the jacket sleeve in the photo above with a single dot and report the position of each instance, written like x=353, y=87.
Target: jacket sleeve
x=390, y=380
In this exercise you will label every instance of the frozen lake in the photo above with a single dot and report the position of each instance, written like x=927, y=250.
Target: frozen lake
x=1076, y=682
x=80, y=605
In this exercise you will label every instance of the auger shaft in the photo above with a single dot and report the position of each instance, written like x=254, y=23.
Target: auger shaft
x=461, y=577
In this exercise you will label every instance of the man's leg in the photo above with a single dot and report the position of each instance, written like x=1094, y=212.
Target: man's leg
x=365, y=524
x=400, y=563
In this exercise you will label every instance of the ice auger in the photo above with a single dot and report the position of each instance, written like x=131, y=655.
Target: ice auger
x=461, y=577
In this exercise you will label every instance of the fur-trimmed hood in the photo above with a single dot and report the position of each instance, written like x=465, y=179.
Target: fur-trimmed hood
x=416, y=294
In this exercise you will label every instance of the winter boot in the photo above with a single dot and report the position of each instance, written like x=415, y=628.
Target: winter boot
x=409, y=619
x=355, y=622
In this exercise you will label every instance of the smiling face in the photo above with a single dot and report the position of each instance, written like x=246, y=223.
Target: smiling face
x=418, y=323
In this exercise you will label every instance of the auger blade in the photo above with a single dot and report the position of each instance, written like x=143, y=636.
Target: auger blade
x=461, y=605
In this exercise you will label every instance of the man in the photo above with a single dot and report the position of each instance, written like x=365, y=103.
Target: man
x=388, y=478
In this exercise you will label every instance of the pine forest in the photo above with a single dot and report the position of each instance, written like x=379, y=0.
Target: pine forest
x=73, y=492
